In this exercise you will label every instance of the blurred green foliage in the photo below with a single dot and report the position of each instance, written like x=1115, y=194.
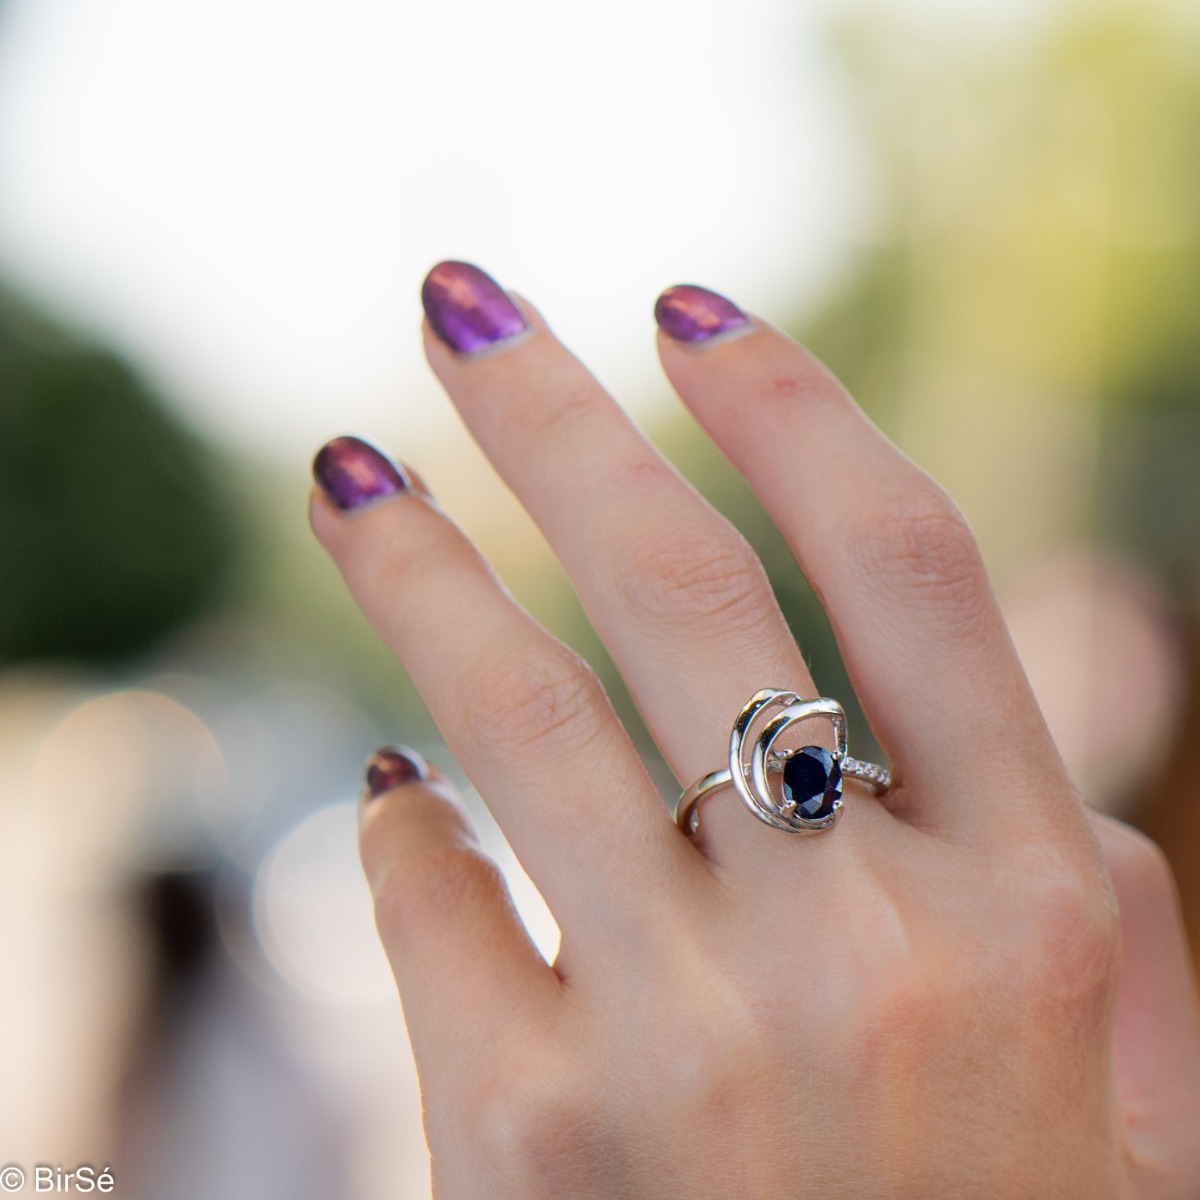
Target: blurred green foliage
x=1027, y=318
x=113, y=530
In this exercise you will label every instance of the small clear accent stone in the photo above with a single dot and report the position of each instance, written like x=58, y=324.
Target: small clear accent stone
x=812, y=781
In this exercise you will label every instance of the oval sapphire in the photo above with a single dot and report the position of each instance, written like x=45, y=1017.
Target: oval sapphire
x=812, y=781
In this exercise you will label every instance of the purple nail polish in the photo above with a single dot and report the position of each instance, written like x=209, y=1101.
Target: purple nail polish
x=352, y=471
x=467, y=308
x=393, y=766
x=694, y=314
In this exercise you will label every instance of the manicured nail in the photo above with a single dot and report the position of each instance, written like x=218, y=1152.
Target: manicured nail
x=694, y=314
x=352, y=472
x=392, y=766
x=467, y=308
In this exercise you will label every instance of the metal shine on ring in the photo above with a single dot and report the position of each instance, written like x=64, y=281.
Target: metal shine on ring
x=752, y=763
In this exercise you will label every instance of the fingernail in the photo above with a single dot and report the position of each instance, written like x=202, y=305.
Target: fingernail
x=392, y=766
x=467, y=308
x=694, y=314
x=352, y=472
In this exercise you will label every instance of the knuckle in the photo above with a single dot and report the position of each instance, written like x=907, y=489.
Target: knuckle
x=714, y=577
x=453, y=877
x=543, y=1130
x=907, y=1013
x=524, y=700
x=1075, y=938
x=923, y=547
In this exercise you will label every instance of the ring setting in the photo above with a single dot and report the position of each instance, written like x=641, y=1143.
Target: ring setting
x=797, y=789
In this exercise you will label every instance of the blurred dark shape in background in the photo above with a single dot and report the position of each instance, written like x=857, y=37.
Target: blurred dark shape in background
x=213, y=1097
x=113, y=529
x=179, y=911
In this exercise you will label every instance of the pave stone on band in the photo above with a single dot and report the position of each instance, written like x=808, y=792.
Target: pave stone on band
x=810, y=790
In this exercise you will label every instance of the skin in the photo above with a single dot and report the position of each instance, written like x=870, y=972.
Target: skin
x=972, y=987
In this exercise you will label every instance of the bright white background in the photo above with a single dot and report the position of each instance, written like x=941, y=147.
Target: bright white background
x=245, y=194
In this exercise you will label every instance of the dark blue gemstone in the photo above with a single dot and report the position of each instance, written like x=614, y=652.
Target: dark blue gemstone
x=812, y=781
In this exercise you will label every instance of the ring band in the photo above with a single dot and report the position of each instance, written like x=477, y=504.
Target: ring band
x=811, y=786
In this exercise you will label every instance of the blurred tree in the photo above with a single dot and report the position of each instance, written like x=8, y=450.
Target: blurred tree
x=113, y=532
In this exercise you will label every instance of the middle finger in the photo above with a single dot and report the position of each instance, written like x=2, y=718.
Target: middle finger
x=675, y=592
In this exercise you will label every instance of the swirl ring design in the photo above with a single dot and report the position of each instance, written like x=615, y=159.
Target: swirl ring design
x=752, y=762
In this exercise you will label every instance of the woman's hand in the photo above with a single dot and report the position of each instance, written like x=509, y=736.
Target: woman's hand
x=929, y=1000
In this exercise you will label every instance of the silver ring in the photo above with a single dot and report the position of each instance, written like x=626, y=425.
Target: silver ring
x=810, y=791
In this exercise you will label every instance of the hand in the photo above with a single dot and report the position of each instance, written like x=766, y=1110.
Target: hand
x=929, y=1000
